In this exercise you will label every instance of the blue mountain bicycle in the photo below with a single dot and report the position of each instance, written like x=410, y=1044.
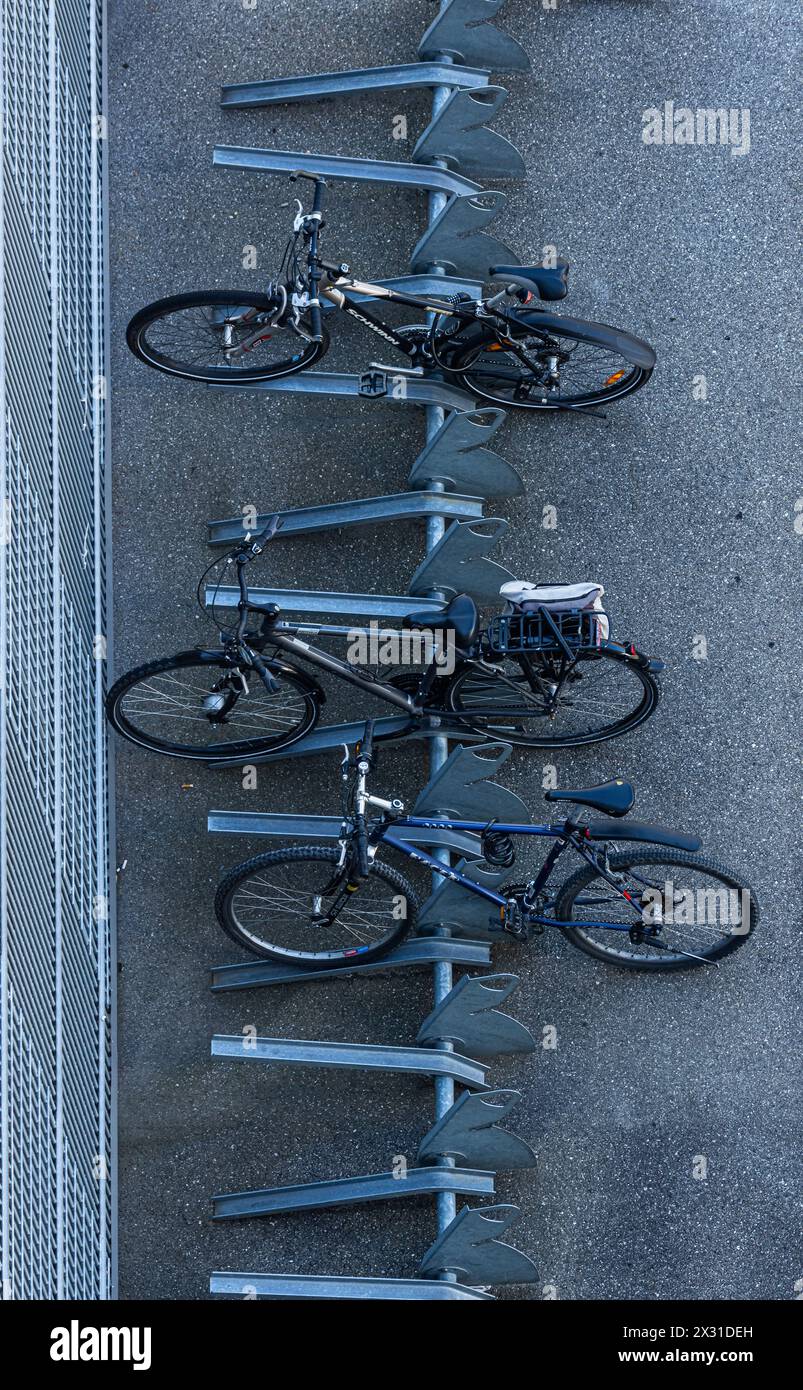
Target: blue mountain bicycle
x=660, y=908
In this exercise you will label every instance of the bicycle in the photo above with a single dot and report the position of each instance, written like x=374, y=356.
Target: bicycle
x=660, y=909
x=545, y=673
x=531, y=360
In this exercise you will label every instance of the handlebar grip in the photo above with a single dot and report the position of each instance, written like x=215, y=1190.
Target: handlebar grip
x=270, y=683
x=315, y=320
x=365, y=748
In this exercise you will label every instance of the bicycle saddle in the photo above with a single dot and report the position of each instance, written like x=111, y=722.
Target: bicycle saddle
x=460, y=616
x=548, y=284
x=614, y=798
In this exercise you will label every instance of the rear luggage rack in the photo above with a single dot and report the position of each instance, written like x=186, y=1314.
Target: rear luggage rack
x=572, y=631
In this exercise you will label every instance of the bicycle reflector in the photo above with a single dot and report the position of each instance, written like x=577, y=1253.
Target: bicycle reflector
x=612, y=380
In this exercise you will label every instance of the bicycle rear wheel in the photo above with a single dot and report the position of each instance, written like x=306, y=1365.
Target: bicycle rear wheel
x=197, y=337
x=569, y=371
x=602, y=698
x=697, y=907
x=272, y=906
x=164, y=706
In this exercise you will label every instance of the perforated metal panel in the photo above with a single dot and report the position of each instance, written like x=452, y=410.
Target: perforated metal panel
x=55, y=968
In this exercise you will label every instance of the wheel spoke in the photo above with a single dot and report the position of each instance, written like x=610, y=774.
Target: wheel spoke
x=699, y=912
x=167, y=709
x=598, y=699
x=275, y=907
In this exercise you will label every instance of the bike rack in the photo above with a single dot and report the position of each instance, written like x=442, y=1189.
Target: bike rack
x=467, y=1145
x=454, y=472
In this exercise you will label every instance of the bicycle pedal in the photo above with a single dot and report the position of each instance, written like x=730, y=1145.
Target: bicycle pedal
x=373, y=384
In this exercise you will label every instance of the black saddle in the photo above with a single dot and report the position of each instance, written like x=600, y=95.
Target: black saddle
x=548, y=284
x=460, y=616
x=613, y=798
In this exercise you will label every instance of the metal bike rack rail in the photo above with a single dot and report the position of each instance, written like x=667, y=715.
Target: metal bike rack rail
x=455, y=470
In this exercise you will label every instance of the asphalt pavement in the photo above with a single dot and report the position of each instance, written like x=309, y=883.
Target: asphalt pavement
x=682, y=506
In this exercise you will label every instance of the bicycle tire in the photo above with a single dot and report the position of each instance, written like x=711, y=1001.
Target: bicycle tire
x=646, y=707
x=479, y=338
x=307, y=854
x=213, y=753
x=658, y=962
x=152, y=313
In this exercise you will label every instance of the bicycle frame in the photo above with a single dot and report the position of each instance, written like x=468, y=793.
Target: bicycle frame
x=562, y=832
x=284, y=637
x=334, y=292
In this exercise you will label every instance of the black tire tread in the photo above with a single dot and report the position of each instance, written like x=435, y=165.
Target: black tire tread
x=583, y=877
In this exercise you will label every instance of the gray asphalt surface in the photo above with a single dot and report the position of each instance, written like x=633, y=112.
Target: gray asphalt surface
x=683, y=508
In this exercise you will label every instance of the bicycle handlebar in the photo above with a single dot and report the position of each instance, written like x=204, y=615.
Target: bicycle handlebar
x=315, y=218
x=261, y=540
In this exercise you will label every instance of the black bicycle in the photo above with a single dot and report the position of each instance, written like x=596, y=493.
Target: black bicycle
x=653, y=909
x=497, y=351
x=545, y=673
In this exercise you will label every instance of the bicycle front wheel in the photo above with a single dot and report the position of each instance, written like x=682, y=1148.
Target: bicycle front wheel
x=275, y=904
x=216, y=336
x=603, y=697
x=165, y=706
x=693, y=910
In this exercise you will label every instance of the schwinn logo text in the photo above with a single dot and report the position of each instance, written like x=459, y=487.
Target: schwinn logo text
x=77, y=1343
x=369, y=323
x=704, y=125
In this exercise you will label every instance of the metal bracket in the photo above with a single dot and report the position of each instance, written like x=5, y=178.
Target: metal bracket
x=415, y=1061
x=395, y=389
x=417, y=950
x=365, y=511
x=456, y=241
x=333, y=166
x=469, y=1133
x=463, y=30
x=469, y=1016
x=461, y=787
x=329, y=736
x=341, y=1192
x=470, y=1248
x=324, y=602
x=458, y=135
x=451, y=905
x=337, y=1286
x=300, y=827
x=458, y=563
x=456, y=456
x=395, y=77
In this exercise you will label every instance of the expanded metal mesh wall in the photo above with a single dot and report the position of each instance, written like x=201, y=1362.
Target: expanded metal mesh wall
x=55, y=970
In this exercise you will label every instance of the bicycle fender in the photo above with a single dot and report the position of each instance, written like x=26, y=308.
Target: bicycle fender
x=636, y=830
x=216, y=656
x=633, y=349
x=630, y=652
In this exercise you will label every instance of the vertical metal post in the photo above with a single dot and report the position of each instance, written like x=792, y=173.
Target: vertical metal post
x=439, y=747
